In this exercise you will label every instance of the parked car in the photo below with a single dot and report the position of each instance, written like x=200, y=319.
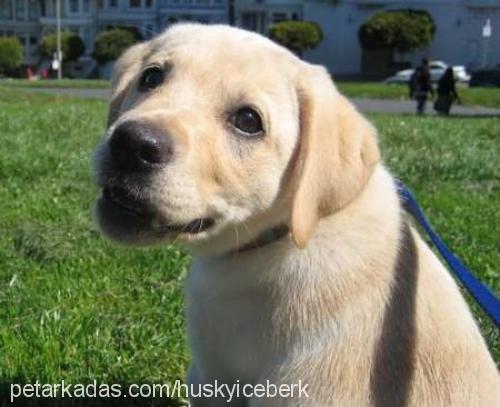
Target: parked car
x=436, y=69
x=487, y=77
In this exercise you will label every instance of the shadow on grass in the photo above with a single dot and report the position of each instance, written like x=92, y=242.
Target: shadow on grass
x=436, y=116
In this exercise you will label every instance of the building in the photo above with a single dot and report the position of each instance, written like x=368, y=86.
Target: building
x=29, y=20
x=139, y=14
x=258, y=15
x=204, y=11
x=22, y=19
x=458, y=38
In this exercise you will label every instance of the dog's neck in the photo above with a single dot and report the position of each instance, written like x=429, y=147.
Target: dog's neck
x=268, y=236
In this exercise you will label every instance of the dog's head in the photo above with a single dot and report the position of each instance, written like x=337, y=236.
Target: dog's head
x=216, y=134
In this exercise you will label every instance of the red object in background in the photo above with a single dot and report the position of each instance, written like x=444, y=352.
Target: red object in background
x=44, y=73
x=29, y=73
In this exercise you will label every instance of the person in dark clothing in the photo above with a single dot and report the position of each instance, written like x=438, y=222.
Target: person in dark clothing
x=421, y=86
x=446, y=92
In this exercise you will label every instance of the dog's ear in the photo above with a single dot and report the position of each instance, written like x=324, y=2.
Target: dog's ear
x=337, y=152
x=124, y=71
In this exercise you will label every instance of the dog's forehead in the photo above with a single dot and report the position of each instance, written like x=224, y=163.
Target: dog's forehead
x=218, y=44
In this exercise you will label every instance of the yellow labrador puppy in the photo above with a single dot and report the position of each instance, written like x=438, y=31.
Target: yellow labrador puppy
x=305, y=268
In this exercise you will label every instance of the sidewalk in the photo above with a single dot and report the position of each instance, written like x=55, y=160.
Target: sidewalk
x=408, y=106
x=364, y=105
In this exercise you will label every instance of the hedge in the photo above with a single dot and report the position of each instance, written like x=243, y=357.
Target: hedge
x=72, y=46
x=11, y=54
x=405, y=30
x=110, y=44
x=297, y=36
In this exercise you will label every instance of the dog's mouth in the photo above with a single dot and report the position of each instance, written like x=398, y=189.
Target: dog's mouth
x=126, y=201
x=194, y=227
x=124, y=211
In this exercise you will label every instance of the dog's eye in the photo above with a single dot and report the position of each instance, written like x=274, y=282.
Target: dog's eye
x=151, y=78
x=247, y=121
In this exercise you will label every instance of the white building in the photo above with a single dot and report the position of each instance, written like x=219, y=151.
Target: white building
x=204, y=11
x=139, y=14
x=258, y=15
x=29, y=20
x=21, y=18
x=458, y=38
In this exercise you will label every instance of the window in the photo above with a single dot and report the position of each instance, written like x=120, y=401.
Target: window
x=149, y=3
x=85, y=34
x=20, y=10
x=5, y=10
x=135, y=3
x=148, y=31
x=113, y=3
x=277, y=17
x=50, y=8
x=33, y=40
x=22, y=39
x=73, y=6
x=249, y=21
x=33, y=10
x=85, y=6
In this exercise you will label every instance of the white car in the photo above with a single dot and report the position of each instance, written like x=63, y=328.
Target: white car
x=436, y=69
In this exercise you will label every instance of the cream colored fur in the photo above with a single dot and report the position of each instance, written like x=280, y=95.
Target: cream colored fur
x=339, y=303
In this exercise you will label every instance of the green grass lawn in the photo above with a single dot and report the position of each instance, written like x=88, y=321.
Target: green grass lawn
x=489, y=97
x=75, y=307
x=51, y=83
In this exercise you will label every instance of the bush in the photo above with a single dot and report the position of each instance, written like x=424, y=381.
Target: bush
x=297, y=36
x=405, y=30
x=72, y=46
x=11, y=54
x=110, y=44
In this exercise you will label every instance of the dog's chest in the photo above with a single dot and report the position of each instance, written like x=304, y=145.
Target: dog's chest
x=229, y=311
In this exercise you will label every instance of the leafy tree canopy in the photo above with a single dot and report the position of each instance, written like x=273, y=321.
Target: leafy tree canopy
x=72, y=46
x=405, y=30
x=297, y=36
x=11, y=53
x=110, y=44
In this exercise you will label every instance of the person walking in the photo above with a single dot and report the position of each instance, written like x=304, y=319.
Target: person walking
x=421, y=86
x=446, y=92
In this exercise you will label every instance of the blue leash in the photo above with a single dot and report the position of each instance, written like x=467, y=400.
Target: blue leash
x=485, y=298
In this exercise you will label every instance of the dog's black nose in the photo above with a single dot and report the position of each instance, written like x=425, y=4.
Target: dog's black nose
x=139, y=146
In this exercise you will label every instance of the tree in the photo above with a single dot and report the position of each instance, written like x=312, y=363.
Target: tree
x=110, y=44
x=11, y=54
x=297, y=36
x=72, y=46
x=403, y=30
